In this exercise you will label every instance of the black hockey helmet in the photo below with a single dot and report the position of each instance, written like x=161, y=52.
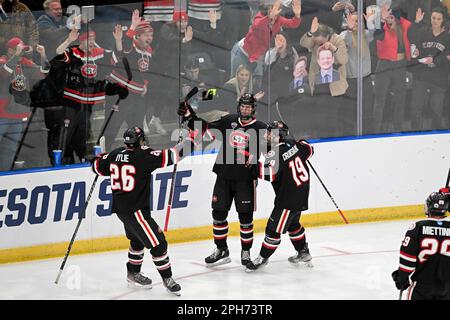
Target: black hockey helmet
x=281, y=127
x=247, y=99
x=436, y=204
x=133, y=136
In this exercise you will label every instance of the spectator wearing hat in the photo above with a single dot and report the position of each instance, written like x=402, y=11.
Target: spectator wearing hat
x=17, y=74
x=393, y=52
x=86, y=67
x=137, y=48
x=266, y=24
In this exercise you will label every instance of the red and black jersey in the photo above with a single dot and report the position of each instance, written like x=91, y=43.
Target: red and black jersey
x=238, y=155
x=140, y=61
x=20, y=73
x=285, y=166
x=86, y=75
x=425, y=251
x=130, y=171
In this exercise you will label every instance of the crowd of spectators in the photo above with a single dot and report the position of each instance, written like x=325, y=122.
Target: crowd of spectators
x=299, y=59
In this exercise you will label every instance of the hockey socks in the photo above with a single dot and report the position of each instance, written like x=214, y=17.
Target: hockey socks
x=220, y=232
x=298, y=238
x=246, y=236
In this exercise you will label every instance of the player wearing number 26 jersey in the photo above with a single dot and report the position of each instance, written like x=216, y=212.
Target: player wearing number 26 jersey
x=425, y=254
x=129, y=169
x=286, y=167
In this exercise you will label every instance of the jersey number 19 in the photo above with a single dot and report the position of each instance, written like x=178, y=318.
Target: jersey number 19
x=299, y=172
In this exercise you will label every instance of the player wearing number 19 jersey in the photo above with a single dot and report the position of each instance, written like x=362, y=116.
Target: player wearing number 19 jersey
x=285, y=166
x=425, y=254
x=129, y=169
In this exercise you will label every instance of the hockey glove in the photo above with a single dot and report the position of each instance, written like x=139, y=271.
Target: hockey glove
x=401, y=281
x=112, y=89
x=185, y=111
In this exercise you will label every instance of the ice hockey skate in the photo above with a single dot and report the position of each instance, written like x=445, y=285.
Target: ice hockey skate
x=172, y=286
x=302, y=256
x=218, y=257
x=256, y=264
x=137, y=279
x=245, y=257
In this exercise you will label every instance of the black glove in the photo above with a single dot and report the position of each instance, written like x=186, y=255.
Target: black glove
x=20, y=97
x=112, y=89
x=185, y=111
x=401, y=281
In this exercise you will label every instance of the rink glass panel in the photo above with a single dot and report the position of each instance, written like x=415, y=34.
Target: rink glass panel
x=384, y=103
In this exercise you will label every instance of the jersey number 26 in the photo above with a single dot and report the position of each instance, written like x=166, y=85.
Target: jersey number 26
x=122, y=178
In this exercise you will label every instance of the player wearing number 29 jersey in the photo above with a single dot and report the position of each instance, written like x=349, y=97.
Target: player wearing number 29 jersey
x=129, y=169
x=425, y=254
x=285, y=165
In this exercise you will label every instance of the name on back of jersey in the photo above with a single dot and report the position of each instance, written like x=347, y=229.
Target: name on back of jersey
x=123, y=157
x=290, y=153
x=435, y=231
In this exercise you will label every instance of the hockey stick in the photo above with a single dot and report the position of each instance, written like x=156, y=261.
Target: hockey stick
x=328, y=192
x=81, y=217
x=400, y=295
x=174, y=172
x=22, y=139
x=317, y=175
x=448, y=179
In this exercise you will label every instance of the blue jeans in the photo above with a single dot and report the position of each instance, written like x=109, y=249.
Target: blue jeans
x=10, y=135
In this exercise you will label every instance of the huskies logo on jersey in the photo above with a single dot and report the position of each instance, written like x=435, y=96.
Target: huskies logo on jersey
x=239, y=139
x=89, y=70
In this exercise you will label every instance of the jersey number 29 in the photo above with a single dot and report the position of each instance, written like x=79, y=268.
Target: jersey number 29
x=299, y=172
x=122, y=178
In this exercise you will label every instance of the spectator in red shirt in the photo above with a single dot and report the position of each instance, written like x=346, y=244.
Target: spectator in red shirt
x=267, y=23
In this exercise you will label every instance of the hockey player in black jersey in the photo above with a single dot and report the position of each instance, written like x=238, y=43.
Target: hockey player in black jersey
x=425, y=254
x=237, y=172
x=286, y=168
x=129, y=168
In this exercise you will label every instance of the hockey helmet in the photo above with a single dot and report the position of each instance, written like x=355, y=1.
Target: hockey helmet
x=247, y=99
x=436, y=204
x=281, y=129
x=133, y=136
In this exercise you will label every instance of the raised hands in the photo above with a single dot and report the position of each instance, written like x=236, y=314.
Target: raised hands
x=314, y=25
x=212, y=15
x=41, y=50
x=275, y=10
x=135, y=19
x=419, y=15
x=297, y=7
x=118, y=32
x=73, y=35
x=188, y=34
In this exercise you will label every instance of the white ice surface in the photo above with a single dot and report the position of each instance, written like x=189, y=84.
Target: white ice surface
x=350, y=262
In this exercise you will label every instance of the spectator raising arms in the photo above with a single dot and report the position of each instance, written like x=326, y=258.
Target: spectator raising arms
x=430, y=69
x=16, y=72
x=321, y=35
x=266, y=24
x=393, y=51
